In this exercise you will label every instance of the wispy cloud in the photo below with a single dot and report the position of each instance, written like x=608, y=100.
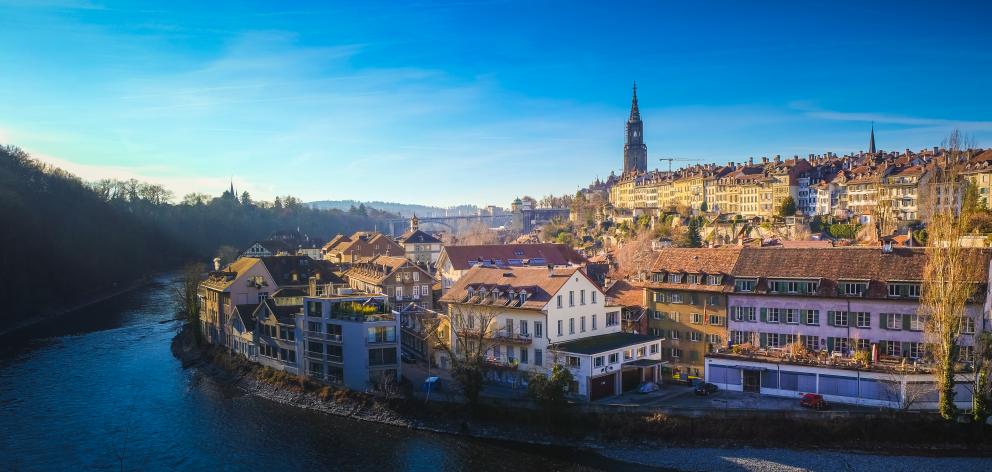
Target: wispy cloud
x=814, y=112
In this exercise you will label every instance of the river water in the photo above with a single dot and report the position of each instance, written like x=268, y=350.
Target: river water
x=100, y=390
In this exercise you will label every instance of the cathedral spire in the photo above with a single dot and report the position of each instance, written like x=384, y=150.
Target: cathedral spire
x=871, y=139
x=635, y=114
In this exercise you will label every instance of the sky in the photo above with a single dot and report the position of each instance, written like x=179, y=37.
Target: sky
x=474, y=102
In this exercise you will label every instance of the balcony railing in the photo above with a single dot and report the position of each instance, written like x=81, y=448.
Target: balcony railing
x=324, y=336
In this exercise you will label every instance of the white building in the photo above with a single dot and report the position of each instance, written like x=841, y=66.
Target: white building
x=541, y=316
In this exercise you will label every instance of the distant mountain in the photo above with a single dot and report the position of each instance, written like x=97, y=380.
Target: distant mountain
x=402, y=209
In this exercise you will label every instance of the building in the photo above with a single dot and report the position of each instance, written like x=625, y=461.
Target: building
x=401, y=281
x=455, y=261
x=267, y=248
x=350, y=339
x=842, y=322
x=420, y=247
x=686, y=299
x=628, y=296
x=276, y=335
x=245, y=281
x=360, y=247
x=534, y=317
x=635, y=152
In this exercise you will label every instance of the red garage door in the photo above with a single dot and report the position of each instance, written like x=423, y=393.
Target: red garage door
x=604, y=386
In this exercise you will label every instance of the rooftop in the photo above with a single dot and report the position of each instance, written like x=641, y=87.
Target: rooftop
x=604, y=342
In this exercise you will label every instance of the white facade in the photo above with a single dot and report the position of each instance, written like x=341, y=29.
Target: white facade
x=848, y=386
x=578, y=310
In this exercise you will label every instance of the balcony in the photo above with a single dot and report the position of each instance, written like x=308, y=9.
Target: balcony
x=324, y=336
x=508, y=337
x=824, y=359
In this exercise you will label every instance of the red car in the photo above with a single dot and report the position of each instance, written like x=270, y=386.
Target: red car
x=814, y=401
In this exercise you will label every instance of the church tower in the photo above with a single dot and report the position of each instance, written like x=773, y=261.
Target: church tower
x=635, y=152
x=871, y=140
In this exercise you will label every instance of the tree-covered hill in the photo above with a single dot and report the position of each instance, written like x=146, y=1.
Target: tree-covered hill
x=62, y=240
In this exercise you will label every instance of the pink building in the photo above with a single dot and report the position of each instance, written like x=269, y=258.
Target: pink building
x=835, y=302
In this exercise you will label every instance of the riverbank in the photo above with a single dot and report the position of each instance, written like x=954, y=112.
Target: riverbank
x=610, y=432
x=56, y=313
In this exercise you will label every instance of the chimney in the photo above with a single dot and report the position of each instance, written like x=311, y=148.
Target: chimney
x=551, y=270
x=778, y=158
x=909, y=240
x=764, y=159
x=750, y=161
x=217, y=263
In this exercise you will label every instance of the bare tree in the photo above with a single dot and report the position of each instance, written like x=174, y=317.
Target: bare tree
x=478, y=233
x=949, y=276
x=466, y=334
x=635, y=256
x=186, y=297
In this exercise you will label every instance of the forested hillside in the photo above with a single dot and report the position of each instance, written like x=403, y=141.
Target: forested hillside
x=63, y=241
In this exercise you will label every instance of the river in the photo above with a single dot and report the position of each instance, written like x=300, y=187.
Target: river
x=99, y=389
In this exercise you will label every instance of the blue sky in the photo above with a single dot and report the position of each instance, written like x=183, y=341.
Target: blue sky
x=473, y=101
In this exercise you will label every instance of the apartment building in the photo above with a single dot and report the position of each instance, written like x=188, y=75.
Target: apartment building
x=686, y=299
x=534, y=317
x=798, y=317
x=401, y=281
x=455, y=261
x=349, y=339
x=245, y=281
x=419, y=247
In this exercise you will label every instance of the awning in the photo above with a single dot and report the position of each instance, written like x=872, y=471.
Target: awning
x=644, y=363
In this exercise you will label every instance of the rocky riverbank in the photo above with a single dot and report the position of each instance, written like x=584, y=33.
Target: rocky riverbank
x=621, y=436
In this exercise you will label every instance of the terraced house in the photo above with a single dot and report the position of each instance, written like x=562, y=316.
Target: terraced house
x=687, y=304
x=842, y=322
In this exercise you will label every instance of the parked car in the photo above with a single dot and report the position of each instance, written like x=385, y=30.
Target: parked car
x=648, y=387
x=407, y=358
x=705, y=388
x=814, y=401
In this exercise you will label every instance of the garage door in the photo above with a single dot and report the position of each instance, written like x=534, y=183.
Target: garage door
x=603, y=386
x=631, y=379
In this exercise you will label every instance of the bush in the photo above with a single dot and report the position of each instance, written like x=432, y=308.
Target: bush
x=844, y=231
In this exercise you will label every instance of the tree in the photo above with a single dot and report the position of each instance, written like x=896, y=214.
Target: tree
x=787, y=207
x=634, y=256
x=186, y=299
x=246, y=198
x=950, y=277
x=549, y=391
x=703, y=207
x=466, y=336
x=981, y=400
x=691, y=238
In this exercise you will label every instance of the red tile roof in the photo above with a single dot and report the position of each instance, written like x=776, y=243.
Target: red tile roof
x=461, y=257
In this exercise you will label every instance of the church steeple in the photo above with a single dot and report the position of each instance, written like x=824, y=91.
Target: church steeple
x=635, y=114
x=871, y=139
x=635, y=153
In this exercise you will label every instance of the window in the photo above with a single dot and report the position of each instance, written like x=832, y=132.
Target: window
x=416, y=276
x=382, y=356
x=614, y=358
x=642, y=351
x=751, y=313
x=916, y=323
x=381, y=334
x=416, y=292
x=674, y=278
x=524, y=352
x=287, y=334
x=594, y=322
x=714, y=339
x=571, y=298
x=966, y=353
x=863, y=345
x=658, y=315
x=314, y=327
x=675, y=335
x=654, y=348
x=582, y=324
x=692, y=279
x=715, y=320
x=573, y=361
x=538, y=329
x=839, y=344
x=593, y=294
x=628, y=354
x=916, y=350
x=892, y=348
x=314, y=309
x=837, y=318
x=598, y=361
x=853, y=289
x=697, y=318
x=773, y=340
x=863, y=319
x=713, y=280
x=656, y=332
x=967, y=324
x=538, y=357
x=582, y=297
x=774, y=315
x=676, y=352
x=813, y=343
x=571, y=326
x=675, y=317
x=559, y=300
x=523, y=327
x=893, y=321
x=676, y=298
x=695, y=336
x=559, y=328
x=612, y=319
x=744, y=285
x=792, y=316
x=399, y=293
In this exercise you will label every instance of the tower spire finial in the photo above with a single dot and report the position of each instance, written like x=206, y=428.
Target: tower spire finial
x=871, y=139
x=635, y=114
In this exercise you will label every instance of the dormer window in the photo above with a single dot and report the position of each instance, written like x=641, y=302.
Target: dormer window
x=744, y=285
x=674, y=278
x=523, y=296
x=692, y=279
x=853, y=289
x=657, y=277
x=904, y=290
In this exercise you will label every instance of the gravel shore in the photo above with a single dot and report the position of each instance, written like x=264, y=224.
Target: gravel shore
x=788, y=460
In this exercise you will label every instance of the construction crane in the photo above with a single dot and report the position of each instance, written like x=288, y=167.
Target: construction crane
x=669, y=159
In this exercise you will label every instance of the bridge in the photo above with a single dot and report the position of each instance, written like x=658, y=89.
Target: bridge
x=398, y=226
